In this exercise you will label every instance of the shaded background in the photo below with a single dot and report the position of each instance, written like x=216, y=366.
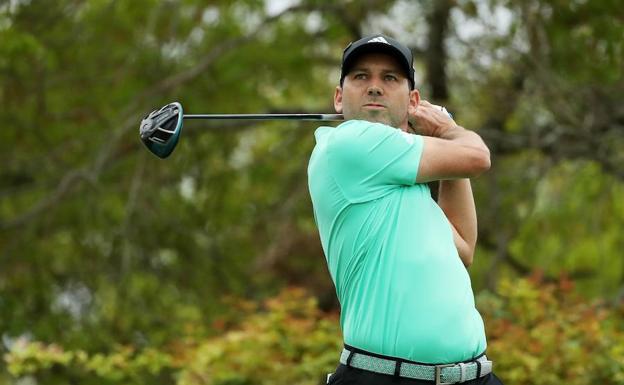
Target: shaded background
x=107, y=251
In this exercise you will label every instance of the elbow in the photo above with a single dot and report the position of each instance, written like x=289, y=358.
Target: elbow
x=486, y=162
x=465, y=251
x=481, y=162
x=467, y=261
x=467, y=256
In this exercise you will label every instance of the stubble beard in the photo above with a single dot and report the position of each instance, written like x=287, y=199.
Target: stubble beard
x=377, y=117
x=382, y=117
x=374, y=116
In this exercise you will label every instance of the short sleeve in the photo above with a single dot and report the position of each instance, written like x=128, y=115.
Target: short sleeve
x=369, y=160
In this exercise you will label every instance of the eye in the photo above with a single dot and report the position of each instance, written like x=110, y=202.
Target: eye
x=359, y=76
x=391, y=77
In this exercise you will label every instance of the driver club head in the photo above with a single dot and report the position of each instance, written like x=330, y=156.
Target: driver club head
x=160, y=129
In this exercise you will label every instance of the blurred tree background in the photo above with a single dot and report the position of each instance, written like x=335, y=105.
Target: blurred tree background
x=118, y=267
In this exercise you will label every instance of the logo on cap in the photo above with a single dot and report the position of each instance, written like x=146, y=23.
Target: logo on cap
x=379, y=39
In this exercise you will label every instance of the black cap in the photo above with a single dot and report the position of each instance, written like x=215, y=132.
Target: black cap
x=378, y=43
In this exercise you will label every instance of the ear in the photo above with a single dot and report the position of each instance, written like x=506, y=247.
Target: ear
x=338, y=100
x=414, y=102
x=414, y=98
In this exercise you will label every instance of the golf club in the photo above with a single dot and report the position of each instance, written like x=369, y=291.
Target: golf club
x=160, y=129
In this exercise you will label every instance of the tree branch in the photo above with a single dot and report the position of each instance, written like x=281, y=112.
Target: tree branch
x=130, y=118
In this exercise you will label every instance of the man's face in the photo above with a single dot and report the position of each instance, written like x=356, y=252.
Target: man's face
x=377, y=90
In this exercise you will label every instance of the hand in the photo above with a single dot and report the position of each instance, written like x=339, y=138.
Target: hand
x=429, y=119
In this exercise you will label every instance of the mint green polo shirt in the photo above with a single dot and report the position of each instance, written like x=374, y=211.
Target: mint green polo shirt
x=402, y=287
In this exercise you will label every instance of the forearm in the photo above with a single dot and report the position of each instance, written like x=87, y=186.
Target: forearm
x=451, y=154
x=462, y=156
x=460, y=135
x=456, y=200
x=449, y=151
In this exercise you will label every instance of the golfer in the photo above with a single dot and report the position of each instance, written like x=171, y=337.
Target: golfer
x=397, y=258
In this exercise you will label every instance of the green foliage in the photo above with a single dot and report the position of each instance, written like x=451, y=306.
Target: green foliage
x=50, y=364
x=578, y=216
x=288, y=340
x=106, y=251
x=531, y=326
x=291, y=341
x=545, y=334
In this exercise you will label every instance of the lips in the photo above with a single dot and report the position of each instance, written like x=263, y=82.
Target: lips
x=374, y=105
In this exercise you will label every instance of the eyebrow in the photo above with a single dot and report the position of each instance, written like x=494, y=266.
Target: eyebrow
x=384, y=71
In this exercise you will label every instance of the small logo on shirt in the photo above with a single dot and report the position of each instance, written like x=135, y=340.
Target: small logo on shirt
x=378, y=40
x=408, y=138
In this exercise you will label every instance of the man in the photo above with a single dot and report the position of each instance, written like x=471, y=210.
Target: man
x=397, y=258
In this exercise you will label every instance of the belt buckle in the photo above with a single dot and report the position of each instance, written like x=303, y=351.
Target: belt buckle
x=438, y=373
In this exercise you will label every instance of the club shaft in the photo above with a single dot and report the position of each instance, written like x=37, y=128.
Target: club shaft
x=326, y=117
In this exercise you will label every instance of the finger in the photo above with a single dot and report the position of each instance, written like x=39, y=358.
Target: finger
x=442, y=109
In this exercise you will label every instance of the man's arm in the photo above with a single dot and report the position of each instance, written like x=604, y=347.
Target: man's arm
x=455, y=199
x=452, y=154
x=455, y=154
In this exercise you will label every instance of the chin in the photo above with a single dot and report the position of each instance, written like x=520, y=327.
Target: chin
x=380, y=120
x=383, y=121
x=375, y=119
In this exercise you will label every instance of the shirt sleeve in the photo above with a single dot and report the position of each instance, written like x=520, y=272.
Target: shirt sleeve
x=369, y=160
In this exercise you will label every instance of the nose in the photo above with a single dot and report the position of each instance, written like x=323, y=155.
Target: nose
x=374, y=90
